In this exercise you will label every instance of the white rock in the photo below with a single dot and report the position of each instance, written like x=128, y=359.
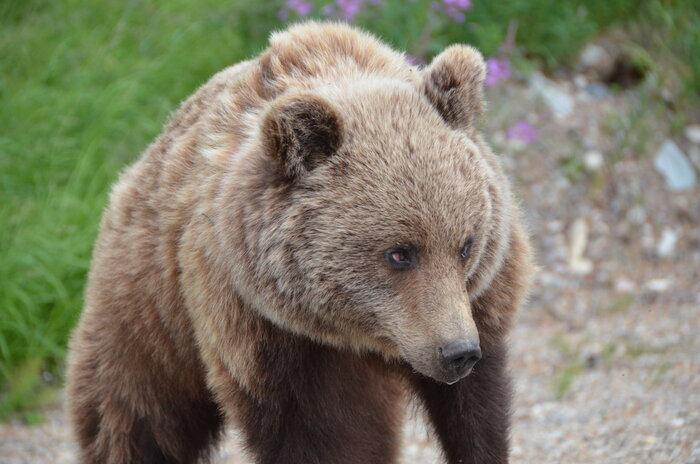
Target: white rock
x=578, y=239
x=598, y=90
x=692, y=132
x=558, y=100
x=675, y=167
x=580, y=81
x=677, y=422
x=597, y=62
x=593, y=160
x=667, y=244
x=592, y=54
x=658, y=285
x=624, y=285
x=554, y=226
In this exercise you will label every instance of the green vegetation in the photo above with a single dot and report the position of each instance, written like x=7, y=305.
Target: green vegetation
x=86, y=84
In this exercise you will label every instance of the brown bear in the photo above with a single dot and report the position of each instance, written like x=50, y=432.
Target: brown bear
x=318, y=233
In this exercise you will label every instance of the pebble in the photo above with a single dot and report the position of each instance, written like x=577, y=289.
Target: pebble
x=598, y=90
x=596, y=61
x=555, y=225
x=692, y=132
x=559, y=101
x=593, y=54
x=624, y=285
x=667, y=244
x=658, y=285
x=678, y=422
x=593, y=160
x=578, y=239
x=675, y=167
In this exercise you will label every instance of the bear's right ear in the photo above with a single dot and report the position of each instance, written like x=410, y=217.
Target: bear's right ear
x=454, y=84
x=301, y=131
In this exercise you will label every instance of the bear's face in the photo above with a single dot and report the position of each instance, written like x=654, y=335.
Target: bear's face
x=397, y=211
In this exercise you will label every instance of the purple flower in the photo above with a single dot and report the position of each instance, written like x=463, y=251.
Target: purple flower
x=415, y=60
x=453, y=8
x=349, y=8
x=463, y=5
x=522, y=131
x=497, y=71
x=301, y=7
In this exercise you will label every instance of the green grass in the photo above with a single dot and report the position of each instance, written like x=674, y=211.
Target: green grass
x=85, y=85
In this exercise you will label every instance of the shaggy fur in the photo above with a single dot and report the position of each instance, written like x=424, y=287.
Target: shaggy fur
x=240, y=274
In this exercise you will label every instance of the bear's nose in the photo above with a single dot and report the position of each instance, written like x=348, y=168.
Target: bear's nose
x=459, y=356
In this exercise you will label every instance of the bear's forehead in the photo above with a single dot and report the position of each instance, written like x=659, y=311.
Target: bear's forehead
x=435, y=167
x=409, y=201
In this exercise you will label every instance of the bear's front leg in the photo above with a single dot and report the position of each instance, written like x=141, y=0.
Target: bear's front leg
x=311, y=403
x=471, y=417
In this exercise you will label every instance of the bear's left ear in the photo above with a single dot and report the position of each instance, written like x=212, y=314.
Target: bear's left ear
x=454, y=85
x=301, y=131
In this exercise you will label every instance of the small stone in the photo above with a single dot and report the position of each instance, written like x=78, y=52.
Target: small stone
x=598, y=90
x=624, y=285
x=559, y=101
x=692, y=132
x=667, y=244
x=672, y=163
x=596, y=61
x=554, y=226
x=658, y=285
x=593, y=160
x=592, y=54
x=678, y=422
x=580, y=81
x=578, y=239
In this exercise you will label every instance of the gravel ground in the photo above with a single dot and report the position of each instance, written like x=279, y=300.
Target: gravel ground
x=606, y=355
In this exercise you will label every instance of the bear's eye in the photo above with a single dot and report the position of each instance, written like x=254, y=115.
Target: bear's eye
x=466, y=249
x=402, y=257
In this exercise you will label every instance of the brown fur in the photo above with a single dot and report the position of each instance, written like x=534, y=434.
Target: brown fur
x=240, y=271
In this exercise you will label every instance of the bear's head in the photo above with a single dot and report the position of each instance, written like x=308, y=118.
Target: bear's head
x=390, y=214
